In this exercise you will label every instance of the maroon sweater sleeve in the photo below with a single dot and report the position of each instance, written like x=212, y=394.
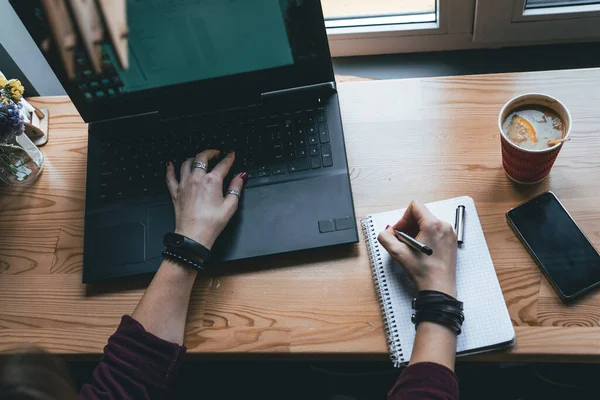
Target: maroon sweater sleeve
x=425, y=381
x=135, y=365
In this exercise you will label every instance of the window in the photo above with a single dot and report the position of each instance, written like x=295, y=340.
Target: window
x=363, y=27
x=352, y=13
x=535, y=21
x=557, y=3
x=358, y=27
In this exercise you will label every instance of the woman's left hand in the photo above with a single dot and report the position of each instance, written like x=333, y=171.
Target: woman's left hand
x=201, y=210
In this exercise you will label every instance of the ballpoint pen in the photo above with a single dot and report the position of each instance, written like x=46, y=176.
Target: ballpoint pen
x=412, y=242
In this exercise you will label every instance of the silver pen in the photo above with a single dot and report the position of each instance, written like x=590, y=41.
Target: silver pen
x=459, y=224
x=412, y=242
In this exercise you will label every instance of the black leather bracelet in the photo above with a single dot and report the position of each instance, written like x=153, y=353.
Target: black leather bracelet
x=451, y=311
x=435, y=299
x=438, y=307
x=437, y=317
x=434, y=292
x=186, y=245
x=176, y=255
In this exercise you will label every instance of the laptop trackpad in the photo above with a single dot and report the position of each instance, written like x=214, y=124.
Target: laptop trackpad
x=119, y=245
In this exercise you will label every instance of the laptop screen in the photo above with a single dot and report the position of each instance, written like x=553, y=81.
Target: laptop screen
x=172, y=42
x=197, y=51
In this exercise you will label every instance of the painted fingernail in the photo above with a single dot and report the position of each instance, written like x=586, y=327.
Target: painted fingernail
x=244, y=176
x=387, y=227
x=168, y=164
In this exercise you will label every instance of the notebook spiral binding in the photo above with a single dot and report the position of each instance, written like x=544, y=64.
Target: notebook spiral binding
x=381, y=287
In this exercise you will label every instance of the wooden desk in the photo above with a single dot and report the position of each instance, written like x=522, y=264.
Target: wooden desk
x=428, y=139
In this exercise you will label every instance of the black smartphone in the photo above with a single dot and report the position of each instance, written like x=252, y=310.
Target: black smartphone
x=557, y=244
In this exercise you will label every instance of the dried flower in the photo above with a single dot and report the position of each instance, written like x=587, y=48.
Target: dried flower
x=11, y=121
x=14, y=90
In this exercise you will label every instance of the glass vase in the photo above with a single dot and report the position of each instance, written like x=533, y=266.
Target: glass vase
x=21, y=162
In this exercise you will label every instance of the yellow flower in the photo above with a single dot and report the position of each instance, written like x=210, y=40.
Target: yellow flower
x=3, y=81
x=15, y=89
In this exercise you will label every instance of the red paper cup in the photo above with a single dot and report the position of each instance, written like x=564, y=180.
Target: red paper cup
x=524, y=165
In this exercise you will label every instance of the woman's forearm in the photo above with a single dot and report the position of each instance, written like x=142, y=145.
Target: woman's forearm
x=162, y=310
x=434, y=343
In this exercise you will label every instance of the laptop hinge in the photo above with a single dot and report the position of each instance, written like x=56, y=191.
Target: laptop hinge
x=327, y=86
x=126, y=117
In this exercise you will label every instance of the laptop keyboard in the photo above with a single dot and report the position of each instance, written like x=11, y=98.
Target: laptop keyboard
x=271, y=145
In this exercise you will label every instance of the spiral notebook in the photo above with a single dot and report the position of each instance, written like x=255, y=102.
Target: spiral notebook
x=487, y=323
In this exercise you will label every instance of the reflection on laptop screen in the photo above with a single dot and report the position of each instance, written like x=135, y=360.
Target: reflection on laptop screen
x=180, y=41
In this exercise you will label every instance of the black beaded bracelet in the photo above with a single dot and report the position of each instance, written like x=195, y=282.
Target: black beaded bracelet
x=181, y=258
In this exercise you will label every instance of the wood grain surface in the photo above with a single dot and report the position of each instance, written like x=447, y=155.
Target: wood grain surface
x=427, y=139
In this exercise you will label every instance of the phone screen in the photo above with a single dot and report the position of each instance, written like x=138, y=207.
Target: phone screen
x=561, y=248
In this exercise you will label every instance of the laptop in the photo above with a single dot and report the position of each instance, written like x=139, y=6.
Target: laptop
x=251, y=77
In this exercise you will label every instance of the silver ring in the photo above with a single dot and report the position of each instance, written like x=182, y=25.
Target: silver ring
x=234, y=192
x=200, y=164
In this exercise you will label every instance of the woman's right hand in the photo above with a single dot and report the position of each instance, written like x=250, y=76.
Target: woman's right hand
x=201, y=209
x=435, y=272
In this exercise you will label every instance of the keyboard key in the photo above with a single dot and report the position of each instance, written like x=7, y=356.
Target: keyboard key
x=300, y=164
x=264, y=173
x=273, y=132
x=279, y=170
x=276, y=152
x=287, y=130
x=315, y=162
x=323, y=133
x=309, y=118
x=288, y=143
x=301, y=152
x=321, y=114
x=311, y=129
x=313, y=140
x=288, y=155
x=300, y=141
x=326, y=155
x=252, y=173
x=314, y=150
